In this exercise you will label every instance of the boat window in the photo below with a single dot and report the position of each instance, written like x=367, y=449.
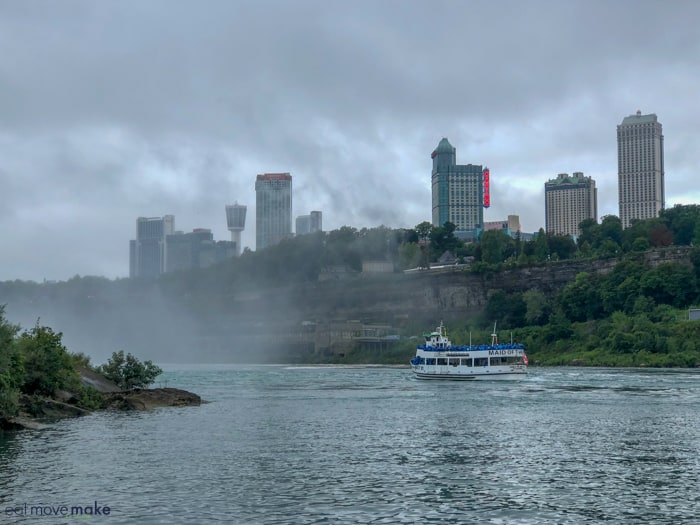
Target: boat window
x=441, y=361
x=481, y=361
x=499, y=361
x=466, y=361
x=430, y=361
x=515, y=360
x=454, y=361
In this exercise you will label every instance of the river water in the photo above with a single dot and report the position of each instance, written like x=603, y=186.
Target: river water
x=335, y=445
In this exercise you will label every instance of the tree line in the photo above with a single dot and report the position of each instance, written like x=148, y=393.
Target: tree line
x=303, y=258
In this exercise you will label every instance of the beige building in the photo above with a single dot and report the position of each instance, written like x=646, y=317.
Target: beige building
x=568, y=201
x=640, y=168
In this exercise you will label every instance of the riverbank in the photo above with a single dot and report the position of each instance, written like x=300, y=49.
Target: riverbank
x=38, y=412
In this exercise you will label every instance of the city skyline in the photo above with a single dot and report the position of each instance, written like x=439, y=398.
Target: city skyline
x=101, y=129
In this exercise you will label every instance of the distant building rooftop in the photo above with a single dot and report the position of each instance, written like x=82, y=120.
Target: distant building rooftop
x=565, y=178
x=638, y=118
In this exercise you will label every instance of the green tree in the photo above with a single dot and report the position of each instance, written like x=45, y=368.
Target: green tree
x=682, y=222
x=537, y=307
x=611, y=228
x=423, y=230
x=540, y=247
x=670, y=283
x=506, y=309
x=495, y=244
x=11, y=367
x=589, y=234
x=620, y=288
x=409, y=255
x=694, y=256
x=47, y=364
x=580, y=300
x=561, y=246
x=128, y=372
x=443, y=239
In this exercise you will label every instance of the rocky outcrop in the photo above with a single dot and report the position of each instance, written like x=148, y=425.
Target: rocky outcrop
x=36, y=412
x=96, y=380
x=147, y=399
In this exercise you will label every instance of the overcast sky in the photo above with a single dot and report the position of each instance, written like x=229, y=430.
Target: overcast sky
x=111, y=110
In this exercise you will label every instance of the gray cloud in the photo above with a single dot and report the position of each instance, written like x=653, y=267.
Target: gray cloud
x=117, y=109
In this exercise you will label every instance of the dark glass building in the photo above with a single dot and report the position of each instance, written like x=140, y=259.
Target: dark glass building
x=458, y=190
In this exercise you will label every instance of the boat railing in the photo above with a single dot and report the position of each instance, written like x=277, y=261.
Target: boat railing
x=473, y=348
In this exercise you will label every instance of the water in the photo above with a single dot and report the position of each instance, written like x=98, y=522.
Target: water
x=329, y=445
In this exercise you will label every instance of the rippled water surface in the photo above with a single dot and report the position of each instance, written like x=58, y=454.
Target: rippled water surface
x=329, y=445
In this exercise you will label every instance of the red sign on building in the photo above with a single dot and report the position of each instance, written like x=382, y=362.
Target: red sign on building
x=487, y=191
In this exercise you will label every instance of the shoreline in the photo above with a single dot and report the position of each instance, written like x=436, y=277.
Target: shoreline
x=49, y=410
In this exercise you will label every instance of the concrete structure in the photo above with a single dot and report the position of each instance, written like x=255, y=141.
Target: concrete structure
x=147, y=252
x=568, y=200
x=273, y=209
x=309, y=223
x=640, y=168
x=457, y=190
x=235, y=220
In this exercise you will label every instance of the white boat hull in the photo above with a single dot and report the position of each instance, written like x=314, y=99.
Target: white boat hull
x=471, y=375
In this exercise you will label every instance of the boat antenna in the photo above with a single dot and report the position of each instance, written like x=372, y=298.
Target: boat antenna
x=494, y=335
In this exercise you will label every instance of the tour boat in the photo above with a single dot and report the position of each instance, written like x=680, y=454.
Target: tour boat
x=436, y=358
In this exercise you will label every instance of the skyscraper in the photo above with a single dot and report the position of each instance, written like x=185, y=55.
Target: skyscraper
x=273, y=209
x=197, y=249
x=640, y=167
x=147, y=252
x=568, y=201
x=309, y=223
x=458, y=190
x=235, y=220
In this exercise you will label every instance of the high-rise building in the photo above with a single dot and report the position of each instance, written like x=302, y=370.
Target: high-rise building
x=309, y=223
x=316, y=222
x=196, y=249
x=235, y=220
x=568, y=201
x=147, y=252
x=273, y=209
x=458, y=190
x=640, y=168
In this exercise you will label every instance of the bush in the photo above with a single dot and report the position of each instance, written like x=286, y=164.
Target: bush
x=11, y=367
x=128, y=372
x=47, y=364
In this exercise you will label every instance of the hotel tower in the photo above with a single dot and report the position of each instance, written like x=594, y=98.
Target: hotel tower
x=640, y=168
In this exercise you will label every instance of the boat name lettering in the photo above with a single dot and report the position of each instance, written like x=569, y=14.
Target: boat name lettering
x=509, y=351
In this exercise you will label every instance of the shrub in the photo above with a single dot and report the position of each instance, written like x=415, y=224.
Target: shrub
x=47, y=364
x=128, y=372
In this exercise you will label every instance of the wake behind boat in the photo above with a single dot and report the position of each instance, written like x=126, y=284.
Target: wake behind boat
x=436, y=358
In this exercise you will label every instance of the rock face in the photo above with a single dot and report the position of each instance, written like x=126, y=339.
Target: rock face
x=147, y=399
x=98, y=381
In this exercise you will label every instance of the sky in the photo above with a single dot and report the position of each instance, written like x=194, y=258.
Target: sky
x=115, y=109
